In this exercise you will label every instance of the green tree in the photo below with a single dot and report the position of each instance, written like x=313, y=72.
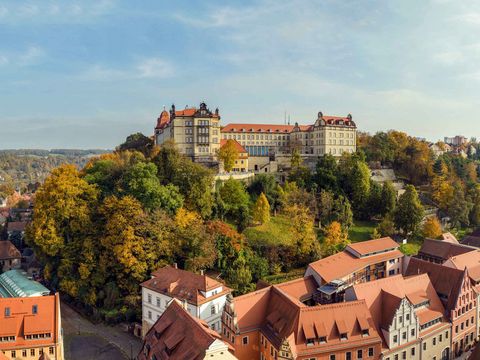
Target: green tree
x=227, y=154
x=326, y=173
x=138, y=142
x=239, y=275
x=236, y=202
x=389, y=198
x=261, y=210
x=141, y=181
x=386, y=226
x=265, y=183
x=409, y=211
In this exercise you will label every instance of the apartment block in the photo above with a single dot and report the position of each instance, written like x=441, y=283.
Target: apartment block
x=358, y=263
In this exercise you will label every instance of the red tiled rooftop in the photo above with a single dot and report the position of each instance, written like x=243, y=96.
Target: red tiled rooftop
x=373, y=246
x=8, y=250
x=183, y=285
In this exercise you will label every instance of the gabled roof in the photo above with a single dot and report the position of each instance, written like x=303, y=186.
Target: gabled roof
x=446, y=281
x=8, y=251
x=414, y=289
x=239, y=147
x=184, y=285
x=449, y=237
x=279, y=313
x=23, y=321
x=471, y=261
x=177, y=335
x=442, y=250
x=471, y=240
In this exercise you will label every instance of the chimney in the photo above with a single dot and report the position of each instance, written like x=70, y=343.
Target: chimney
x=175, y=265
x=201, y=272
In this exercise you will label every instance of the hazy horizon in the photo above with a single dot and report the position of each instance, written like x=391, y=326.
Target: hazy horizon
x=87, y=74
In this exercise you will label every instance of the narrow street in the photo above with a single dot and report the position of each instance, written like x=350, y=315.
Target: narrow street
x=85, y=340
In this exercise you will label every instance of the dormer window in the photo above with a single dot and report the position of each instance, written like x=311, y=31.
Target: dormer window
x=323, y=339
x=343, y=336
x=365, y=332
x=310, y=342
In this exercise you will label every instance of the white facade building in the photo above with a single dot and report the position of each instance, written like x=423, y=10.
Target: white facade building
x=203, y=297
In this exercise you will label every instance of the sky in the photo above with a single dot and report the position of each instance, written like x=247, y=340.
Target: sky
x=86, y=74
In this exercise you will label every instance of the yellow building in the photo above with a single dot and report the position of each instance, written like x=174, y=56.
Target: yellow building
x=241, y=163
x=196, y=132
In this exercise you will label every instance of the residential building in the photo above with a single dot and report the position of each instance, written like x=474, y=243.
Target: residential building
x=359, y=262
x=440, y=251
x=16, y=232
x=408, y=315
x=10, y=257
x=30, y=319
x=195, y=131
x=277, y=323
x=204, y=297
x=471, y=262
x=455, y=289
x=457, y=140
x=241, y=163
x=179, y=335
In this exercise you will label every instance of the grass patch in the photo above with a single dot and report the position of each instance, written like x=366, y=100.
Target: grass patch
x=283, y=277
x=361, y=231
x=275, y=232
x=410, y=248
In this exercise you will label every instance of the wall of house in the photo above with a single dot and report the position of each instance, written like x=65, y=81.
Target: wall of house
x=54, y=352
x=404, y=327
x=205, y=312
x=9, y=264
x=436, y=343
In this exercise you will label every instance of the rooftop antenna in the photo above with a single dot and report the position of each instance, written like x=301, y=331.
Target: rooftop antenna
x=285, y=117
x=288, y=119
x=163, y=107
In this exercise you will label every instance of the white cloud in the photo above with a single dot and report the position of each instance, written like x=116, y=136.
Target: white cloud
x=471, y=17
x=147, y=68
x=3, y=60
x=54, y=12
x=155, y=68
x=31, y=56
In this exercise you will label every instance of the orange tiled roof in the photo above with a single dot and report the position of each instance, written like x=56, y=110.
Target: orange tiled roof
x=163, y=119
x=183, y=285
x=8, y=250
x=446, y=281
x=471, y=261
x=344, y=263
x=23, y=322
x=280, y=314
x=239, y=147
x=16, y=225
x=378, y=294
x=267, y=128
x=177, y=335
x=373, y=246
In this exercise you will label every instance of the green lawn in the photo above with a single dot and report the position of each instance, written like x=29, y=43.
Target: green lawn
x=361, y=230
x=284, y=277
x=410, y=248
x=275, y=232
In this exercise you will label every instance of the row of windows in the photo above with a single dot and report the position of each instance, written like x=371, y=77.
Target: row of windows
x=255, y=137
x=33, y=352
x=464, y=325
x=349, y=354
x=34, y=310
x=462, y=311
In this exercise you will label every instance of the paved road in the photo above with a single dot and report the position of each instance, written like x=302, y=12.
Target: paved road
x=85, y=340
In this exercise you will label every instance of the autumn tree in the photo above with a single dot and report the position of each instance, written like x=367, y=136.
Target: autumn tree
x=227, y=154
x=409, y=211
x=335, y=239
x=261, y=210
x=386, y=227
x=432, y=228
x=303, y=233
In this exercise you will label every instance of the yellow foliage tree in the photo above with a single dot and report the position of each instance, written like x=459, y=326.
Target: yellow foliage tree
x=442, y=192
x=261, y=210
x=228, y=153
x=432, y=228
x=335, y=239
